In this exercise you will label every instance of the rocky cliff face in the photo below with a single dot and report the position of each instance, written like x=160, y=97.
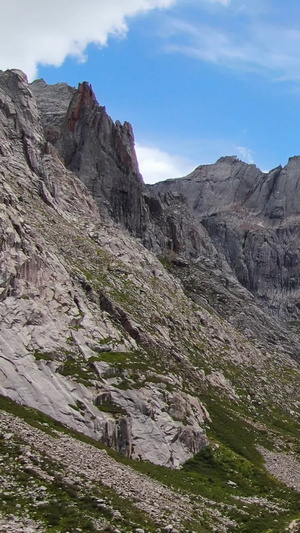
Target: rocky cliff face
x=247, y=230
x=253, y=221
x=63, y=302
x=101, y=153
x=96, y=149
x=156, y=358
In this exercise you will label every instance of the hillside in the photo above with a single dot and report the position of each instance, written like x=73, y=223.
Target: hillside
x=149, y=371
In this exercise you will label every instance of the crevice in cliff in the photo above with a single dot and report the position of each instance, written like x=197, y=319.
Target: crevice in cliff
x=121, y=317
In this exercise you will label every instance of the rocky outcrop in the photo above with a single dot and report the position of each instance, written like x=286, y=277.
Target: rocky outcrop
x=252, y=219
x=52, y=102
x=94, y=330
x=157, y=418
x=101, y=153
x=59, y=264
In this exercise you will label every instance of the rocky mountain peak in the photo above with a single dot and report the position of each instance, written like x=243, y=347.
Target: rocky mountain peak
x=295, y=159
x=52, y=102
x=102, y=155
x=85, y=98
x=100, y=152
x=211, y=188
x=161, y=321
x=228, y=159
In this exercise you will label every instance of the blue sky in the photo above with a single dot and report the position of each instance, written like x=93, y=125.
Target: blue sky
x=198, y=79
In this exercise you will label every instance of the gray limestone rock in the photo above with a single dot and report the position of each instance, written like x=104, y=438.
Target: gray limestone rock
x=94, y=331
x=52, y=102
x=252, y=221
x=54, y=310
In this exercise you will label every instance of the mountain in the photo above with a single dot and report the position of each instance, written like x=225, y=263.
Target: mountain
x=149, y=335
x=255, y=226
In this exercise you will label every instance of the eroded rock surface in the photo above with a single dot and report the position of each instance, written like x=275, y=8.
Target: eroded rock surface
x=94, y=330
x=146, y=355
x=252, y=219
x=62, y=272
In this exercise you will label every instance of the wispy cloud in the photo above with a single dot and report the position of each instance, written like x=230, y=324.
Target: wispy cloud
x=246, y=154
x=158, y=165
x=261, y=40
x=223, y=2
x=38, y=32
x=203, y=42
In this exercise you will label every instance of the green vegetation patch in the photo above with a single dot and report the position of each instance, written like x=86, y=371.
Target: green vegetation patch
x=63, y=506
x=77, y=368
x=111, y=357
x=40, y=356
x=230, y=467
x=228, y=427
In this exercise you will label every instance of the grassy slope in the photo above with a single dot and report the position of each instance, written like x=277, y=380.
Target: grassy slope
x=232, y=457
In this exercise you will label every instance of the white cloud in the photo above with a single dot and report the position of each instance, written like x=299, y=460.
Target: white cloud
x=245, y=154
x=35, y=31
x=157, y=165
x=223, y=2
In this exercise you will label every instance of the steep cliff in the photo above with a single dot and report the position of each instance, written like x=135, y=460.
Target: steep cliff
x=101, y=153
x=225, y=216
x=180, y=361
x=68, y=325
x=252, y=219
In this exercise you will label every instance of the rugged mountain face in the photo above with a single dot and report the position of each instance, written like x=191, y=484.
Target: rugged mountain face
x=63, y=295
x=95, y=148
x=101, y=153
x=253, y=221
x=248, y=229
x=188, y=361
